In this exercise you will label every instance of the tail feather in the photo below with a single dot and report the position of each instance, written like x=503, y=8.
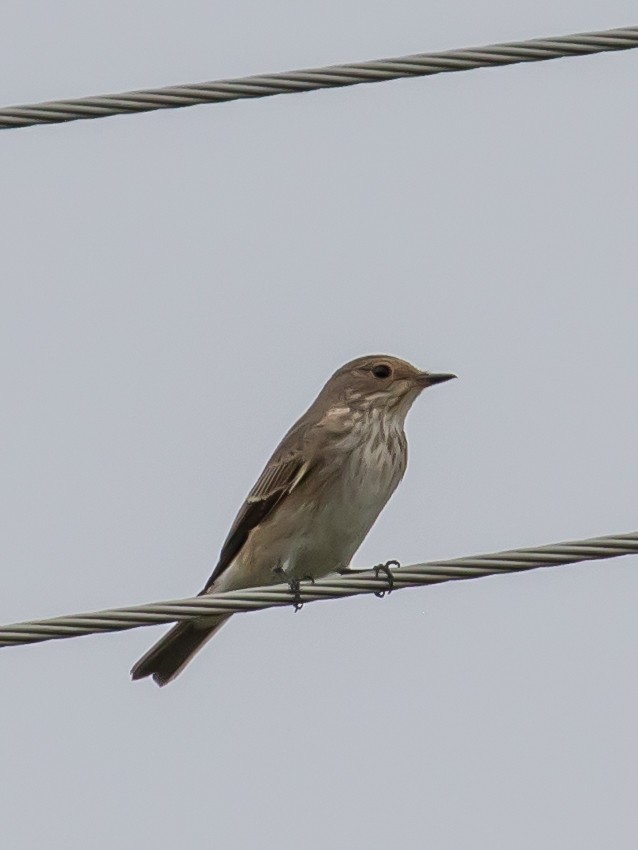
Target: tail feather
x=168, y=657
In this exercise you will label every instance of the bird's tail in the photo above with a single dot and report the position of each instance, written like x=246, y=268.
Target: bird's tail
x=168, y=657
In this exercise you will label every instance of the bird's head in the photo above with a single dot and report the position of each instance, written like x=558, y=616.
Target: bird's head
x=381, y=381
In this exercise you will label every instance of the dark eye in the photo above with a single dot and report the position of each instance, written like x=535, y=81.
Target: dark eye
x=381, y=371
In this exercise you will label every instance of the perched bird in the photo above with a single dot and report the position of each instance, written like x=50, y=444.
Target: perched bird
x=317, y=498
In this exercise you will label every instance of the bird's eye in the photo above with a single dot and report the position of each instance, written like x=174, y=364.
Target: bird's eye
x=381, y=371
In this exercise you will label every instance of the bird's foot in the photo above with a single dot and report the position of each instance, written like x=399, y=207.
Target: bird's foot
x=385, y=569
x=295, y=588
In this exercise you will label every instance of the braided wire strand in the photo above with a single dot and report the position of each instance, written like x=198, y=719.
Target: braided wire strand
x=310, y=79
x=364, y=582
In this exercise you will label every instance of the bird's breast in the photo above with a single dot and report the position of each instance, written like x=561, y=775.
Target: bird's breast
x=374, y=464
x=324, y=520
x=369, y=463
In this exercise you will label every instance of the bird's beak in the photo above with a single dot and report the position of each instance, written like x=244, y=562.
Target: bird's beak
x=427, y=379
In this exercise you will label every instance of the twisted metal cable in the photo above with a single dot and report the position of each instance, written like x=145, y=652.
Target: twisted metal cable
x=332, y=76
x=433, y=572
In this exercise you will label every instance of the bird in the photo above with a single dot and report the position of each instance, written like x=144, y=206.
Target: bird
x=316, y=499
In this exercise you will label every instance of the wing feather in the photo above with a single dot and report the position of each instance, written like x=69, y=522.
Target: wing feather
x=279, y=478
x=282, y=475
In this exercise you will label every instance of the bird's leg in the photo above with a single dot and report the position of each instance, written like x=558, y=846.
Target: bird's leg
x=295, y=589
x=295, y=586
x=385, y=568
x=380, y=568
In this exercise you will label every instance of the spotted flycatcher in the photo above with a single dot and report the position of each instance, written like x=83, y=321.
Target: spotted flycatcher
x=317, y=498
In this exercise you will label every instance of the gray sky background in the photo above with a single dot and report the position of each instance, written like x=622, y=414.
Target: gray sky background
x=175, y=289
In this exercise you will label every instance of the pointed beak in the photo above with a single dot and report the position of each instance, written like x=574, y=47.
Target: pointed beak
x=427, y=379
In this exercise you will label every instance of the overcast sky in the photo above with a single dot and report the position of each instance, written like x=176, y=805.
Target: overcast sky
x=176, y=287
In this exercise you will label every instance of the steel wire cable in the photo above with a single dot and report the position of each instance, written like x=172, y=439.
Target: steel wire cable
x=364, y=582
x=310, y=79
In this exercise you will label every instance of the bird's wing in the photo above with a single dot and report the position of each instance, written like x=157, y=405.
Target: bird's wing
x=281, y=475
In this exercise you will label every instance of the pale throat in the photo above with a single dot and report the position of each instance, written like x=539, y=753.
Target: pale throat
x=383, y=411
x=372, y=422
